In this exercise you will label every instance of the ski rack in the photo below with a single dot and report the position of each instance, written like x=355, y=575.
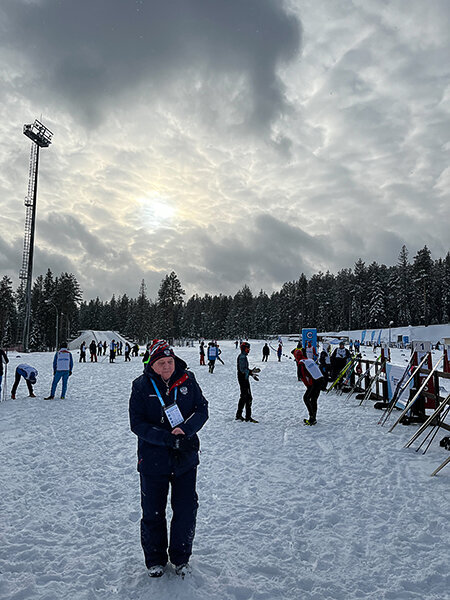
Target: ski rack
x=374, y=379
x=400, y=388
x=416, y=396
x=436, y=413
x=361, y=377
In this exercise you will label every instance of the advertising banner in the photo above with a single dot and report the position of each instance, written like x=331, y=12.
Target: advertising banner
x=393, y=374
x=309, y=335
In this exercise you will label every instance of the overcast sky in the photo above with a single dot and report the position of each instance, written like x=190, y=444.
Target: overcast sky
x=232, y=141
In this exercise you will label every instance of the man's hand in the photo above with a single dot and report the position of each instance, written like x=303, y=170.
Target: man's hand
x=177, y=431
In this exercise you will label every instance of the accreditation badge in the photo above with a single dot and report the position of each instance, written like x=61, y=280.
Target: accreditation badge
x=173, y=415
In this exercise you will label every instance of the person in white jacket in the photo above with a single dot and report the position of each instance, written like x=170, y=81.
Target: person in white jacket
x=62, y=369
x=29, y=373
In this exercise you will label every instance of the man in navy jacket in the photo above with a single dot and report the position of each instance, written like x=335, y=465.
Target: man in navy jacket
x=167, y=409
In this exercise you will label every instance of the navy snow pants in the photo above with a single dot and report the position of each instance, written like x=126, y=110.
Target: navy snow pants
x=184, y=503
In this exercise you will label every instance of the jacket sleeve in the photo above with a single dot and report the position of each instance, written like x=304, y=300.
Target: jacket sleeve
x=200, y=415
x=71, y=363
x=141, y=427
x=243, y=366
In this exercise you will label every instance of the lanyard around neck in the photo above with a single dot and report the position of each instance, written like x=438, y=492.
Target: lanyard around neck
x=158, y=393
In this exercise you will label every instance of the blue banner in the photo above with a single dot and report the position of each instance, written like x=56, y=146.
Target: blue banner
x=309, y=335
x=379, y=336
x=373, y=335
x=363, y=335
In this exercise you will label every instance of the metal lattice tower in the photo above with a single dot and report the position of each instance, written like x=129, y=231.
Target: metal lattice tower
x=40, y=137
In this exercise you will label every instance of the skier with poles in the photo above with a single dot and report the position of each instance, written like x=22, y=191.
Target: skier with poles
x=3, y=360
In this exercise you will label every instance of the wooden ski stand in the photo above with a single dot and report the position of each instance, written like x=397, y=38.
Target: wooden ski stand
x=428, y=422
x=373, y=381
x=360, y=378
x=416, y=396
x=436, y=471
x=401, y=387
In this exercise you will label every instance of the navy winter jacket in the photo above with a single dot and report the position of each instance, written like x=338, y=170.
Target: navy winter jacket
x=157, y=454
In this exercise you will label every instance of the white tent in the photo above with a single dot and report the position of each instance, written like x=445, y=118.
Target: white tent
x=88, y=335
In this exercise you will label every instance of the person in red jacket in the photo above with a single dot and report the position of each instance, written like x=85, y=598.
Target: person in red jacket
x=314, y=381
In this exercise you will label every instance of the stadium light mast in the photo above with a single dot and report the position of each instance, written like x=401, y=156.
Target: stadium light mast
x=40, y=137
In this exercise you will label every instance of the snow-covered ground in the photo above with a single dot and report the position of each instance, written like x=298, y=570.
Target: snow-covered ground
x=338, y=511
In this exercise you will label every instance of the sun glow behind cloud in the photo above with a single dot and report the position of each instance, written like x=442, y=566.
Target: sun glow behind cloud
x=155, y=211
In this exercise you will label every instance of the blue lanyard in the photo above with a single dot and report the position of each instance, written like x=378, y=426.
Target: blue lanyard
x=158, y=393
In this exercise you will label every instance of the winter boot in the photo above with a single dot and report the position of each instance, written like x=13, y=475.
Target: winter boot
x=309, y=421
x=49, y=398
x=183, y=570
x=155, y=571
x=250, y=420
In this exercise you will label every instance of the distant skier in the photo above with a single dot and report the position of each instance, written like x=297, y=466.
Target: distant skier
x=112, y=351
x=83, y=352
x=243, y=374
x=146, y=353
x=93, y=351
x=202, y=353
x=265, y=352
x=62, y=369
x=3, y=360
x=279, y=351
x=339, y=359
x=105, y=345
x=135, y=350
x=127, y=352
x=213, y=353
x=310, y=351
x=298, y=355
x=314, y=381
x=30, y=374
x=325, y=362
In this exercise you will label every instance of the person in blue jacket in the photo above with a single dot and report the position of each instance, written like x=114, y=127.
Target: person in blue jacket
x=213, y=354
x=167, y=409
x=62, y=369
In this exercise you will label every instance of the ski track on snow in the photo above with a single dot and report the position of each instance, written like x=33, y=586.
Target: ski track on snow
x=338, y=511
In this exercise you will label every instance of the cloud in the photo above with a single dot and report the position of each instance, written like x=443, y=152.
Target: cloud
x=93, y=54
x=232, y=142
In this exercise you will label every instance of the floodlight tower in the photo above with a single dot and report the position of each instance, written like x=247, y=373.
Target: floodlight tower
x=40, y=137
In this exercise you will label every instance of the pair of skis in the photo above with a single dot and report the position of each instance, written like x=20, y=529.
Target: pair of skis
x=342, y=373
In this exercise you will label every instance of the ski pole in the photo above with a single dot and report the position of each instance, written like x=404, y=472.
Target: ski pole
x=416, y=396
x=400, y=388
x=436, y=431
x=436, y=414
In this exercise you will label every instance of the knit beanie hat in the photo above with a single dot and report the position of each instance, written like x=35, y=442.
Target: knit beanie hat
x=159, y=349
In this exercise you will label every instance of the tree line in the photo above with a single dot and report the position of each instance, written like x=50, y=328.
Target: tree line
x=413, y=292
